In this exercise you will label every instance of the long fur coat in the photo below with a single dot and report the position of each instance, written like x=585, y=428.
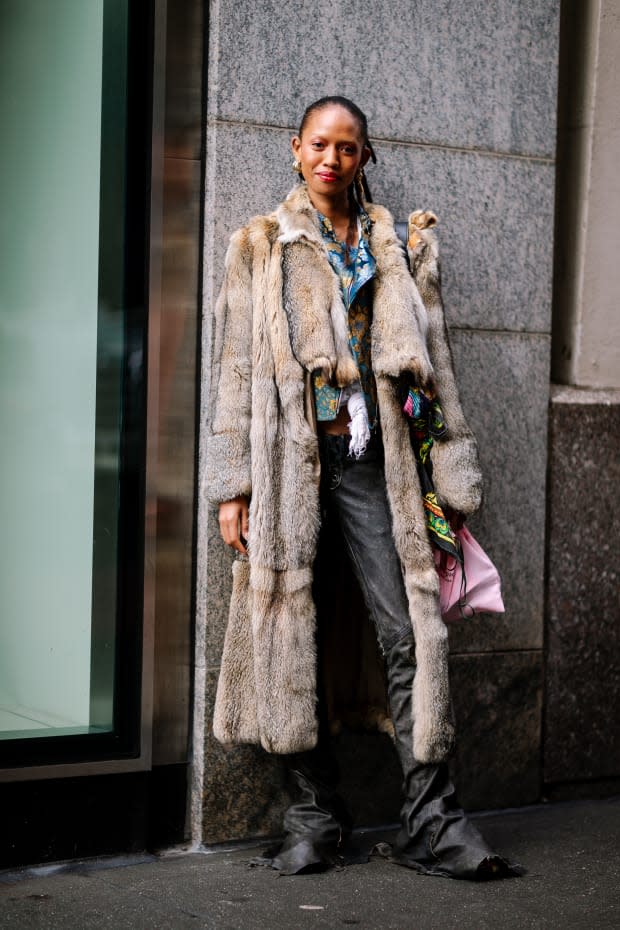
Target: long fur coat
x=279, y=317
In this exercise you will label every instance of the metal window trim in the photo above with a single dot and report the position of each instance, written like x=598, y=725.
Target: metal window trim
x=141, y=762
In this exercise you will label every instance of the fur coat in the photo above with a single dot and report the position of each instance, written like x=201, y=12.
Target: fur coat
x=279, y=317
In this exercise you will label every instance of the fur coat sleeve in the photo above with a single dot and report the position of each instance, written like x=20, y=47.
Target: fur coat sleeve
x=456, y=471
x=228, y=466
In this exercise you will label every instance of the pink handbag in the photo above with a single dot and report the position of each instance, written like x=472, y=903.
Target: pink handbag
x=477, y=589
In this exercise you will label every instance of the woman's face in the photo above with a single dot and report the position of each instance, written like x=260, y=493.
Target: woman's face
x=331, y=150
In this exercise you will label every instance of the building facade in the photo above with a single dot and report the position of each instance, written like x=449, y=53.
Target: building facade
x=140, y=135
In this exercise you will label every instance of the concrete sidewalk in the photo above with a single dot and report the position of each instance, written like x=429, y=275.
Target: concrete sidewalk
x=570, y=851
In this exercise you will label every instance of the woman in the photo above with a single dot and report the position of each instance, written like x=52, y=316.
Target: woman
x=321, y=334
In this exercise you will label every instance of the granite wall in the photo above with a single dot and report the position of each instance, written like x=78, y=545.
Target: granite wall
x=582, y=708
x=461, y=103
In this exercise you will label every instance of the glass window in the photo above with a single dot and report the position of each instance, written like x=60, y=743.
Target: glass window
x=71, y=365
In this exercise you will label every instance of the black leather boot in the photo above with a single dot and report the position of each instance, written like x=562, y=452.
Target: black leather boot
x=435, y=837
x=317, y=823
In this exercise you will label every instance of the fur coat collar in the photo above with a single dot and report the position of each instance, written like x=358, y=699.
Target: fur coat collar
x=279, y=317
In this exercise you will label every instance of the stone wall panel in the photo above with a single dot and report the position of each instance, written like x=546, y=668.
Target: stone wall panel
x=510, y=424
x=473, y=75
x=582, y=719
x=497, y=699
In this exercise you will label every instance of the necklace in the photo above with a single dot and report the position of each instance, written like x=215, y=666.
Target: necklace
x=349, y=235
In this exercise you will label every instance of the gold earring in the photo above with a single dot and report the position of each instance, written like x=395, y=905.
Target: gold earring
x=359, y=184
x=297, y=166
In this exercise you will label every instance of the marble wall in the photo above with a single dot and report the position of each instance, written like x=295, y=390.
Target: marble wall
x=461, y=103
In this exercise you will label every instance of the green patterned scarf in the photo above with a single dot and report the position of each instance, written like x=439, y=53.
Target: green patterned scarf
x=426, y=423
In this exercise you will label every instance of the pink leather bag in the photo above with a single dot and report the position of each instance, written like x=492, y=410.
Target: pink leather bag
x=479, y=591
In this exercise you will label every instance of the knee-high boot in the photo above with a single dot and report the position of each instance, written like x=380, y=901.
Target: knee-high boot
x=435, y=835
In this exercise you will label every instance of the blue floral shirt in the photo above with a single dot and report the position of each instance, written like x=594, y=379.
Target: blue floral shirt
x=355, y=268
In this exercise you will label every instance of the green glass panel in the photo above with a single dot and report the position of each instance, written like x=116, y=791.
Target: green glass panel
x=61, y=350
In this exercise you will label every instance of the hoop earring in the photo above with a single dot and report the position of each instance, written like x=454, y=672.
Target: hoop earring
x=296, y=166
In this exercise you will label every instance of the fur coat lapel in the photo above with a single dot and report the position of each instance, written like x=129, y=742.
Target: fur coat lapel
x=399, y=318
x=280, y=316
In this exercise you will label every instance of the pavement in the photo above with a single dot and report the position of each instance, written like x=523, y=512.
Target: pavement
x=570, y=851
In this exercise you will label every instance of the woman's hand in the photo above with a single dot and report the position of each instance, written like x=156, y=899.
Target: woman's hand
x=234, y=523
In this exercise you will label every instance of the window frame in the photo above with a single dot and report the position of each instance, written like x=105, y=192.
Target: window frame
x=128, y=746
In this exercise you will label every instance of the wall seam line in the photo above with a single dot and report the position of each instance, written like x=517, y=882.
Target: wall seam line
x=408, y=143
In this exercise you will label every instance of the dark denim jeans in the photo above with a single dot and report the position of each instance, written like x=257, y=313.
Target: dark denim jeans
x=354, y=493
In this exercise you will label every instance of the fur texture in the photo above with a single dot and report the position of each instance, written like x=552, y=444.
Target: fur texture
x=279, y=317
x=456, y=472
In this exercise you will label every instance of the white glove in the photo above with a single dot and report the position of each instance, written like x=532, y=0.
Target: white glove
x=358, y=426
